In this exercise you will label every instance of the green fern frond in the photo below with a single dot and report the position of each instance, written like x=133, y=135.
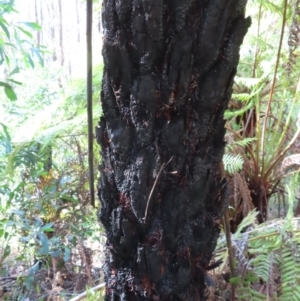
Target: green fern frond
x=242, y=143
x=271, y=6
x=229, y=114
x=233, y=163
x=245, y=142
x=249, y=82
x=290, y=273
x=247, y=221
x=243, y=97
x=246, y=293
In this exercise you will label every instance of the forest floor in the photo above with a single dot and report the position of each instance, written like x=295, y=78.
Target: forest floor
x=51, y=279
x=56, y=280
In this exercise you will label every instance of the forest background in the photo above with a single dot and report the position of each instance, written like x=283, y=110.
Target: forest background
x=51, y=240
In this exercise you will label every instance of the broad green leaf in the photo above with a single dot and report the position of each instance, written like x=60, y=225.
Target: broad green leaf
x=9, y=224
x=9, y=91
x=48, y=228
x=30, y=279
x=56, y=253
x=67, y=254
x=44, y=250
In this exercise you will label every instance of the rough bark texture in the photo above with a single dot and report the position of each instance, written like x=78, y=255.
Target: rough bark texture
x=169, y=69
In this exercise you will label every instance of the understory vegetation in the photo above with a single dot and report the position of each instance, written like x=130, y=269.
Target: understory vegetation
x=50, y=238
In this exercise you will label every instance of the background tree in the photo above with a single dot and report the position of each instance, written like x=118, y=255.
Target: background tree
x=168, y=75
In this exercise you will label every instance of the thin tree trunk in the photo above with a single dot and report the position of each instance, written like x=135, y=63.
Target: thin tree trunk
x=77, y=21
x=168, y=73
x=37, y=21
x=61, y=45
x=51, y=16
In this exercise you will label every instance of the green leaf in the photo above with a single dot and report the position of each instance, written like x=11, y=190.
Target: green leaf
x=18, y=212
x=5, y=29
x=33, y=25
x=48, y=228
x=8, y=6
x=5, y=129
x=44, y=250
x=9, y=223
x=29, y=59
x=69, y=198
x=37, y=52
x=29, y=281
x=56, y=253
x=14, y=81
x=235, y=280
x=9, y=91
x=15, y=70
x=67, y=254
x=29, y=34
x=6, y=251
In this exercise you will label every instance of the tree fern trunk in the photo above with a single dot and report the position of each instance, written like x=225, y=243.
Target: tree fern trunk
x=168, y=74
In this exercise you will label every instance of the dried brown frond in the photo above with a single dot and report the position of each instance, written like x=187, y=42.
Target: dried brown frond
x=289, y=161
x=242, y=186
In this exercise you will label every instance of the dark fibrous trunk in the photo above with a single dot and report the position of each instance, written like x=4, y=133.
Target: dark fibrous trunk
x=168, y=73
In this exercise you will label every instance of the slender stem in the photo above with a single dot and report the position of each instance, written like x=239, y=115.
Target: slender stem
x=153, y=187
x=230, y=251
x=281, y=155
x=287, y=124
x=273, y=87
x=257, y=47
x=89, y=20
x=84, y=294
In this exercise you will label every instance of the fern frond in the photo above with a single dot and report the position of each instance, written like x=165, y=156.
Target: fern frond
x=246, y=293
x=243, y=97
x=233, y=163
x=229, y=114
x=271, y=6
x=290, y=274
x=289, y=161
x=247, y=221
x=245, y=142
